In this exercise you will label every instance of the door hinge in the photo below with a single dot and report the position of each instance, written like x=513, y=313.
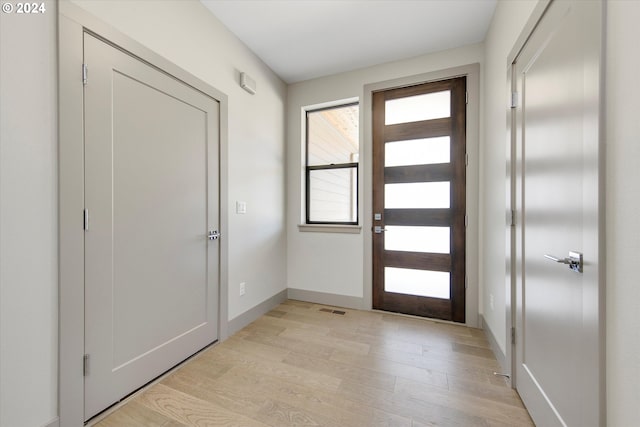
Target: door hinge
x=466, y=282
x=85, y=365
x=513, y=335
x=466, y=220
x=514, y=99
x=513, y=217
x=466, y=159
x=466, y=97
x=85, y=73
x=85, y=219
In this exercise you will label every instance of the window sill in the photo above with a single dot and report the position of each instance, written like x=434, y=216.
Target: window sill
x=330, y=228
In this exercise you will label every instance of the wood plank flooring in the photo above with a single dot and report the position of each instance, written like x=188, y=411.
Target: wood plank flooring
x=303, y=365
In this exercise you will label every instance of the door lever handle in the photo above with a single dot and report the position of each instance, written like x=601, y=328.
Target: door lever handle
x=556, y=259
x=378, y=229
x=574, y=261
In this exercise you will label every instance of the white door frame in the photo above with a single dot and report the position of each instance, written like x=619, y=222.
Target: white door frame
x=510, y=229
x=73, y=22
x=511, y=206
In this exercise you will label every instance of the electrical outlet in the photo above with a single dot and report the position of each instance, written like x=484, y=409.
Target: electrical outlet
x=491, y=301
x=242, y=288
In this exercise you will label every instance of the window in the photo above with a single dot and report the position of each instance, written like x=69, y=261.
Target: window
x=332, y=165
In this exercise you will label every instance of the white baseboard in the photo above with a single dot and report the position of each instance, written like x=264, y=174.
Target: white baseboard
x=326, y=298
x=253, y=314
x=53, y=423
x=500, y=356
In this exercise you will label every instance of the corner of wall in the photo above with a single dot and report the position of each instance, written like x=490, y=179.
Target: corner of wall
x=501, y=357
x=325, y=298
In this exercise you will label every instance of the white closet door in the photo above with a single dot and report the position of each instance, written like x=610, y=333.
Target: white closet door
x=558, y=311
x=151, y=188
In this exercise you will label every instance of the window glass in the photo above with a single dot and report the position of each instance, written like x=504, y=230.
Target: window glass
x=332, y=136
x=331, y=195
x=332, y=165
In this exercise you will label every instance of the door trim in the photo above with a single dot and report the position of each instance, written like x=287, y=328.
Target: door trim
x=598, y=297
x=73, y=22
x=510, y=188
x=472, y=72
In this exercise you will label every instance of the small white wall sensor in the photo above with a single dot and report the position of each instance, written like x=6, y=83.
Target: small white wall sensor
x=247, y=83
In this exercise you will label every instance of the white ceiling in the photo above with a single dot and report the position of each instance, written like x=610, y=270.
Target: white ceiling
x=304, y=39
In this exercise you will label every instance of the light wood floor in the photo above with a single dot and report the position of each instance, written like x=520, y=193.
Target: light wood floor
x=302, y=366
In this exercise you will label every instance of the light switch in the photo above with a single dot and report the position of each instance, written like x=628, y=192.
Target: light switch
x=241, y=207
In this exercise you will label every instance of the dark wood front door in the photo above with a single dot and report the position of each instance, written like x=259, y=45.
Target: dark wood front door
x=419, y=162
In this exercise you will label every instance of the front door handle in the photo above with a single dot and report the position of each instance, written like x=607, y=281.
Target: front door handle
x=574, y=261
x=378, y=229
x=213, y=235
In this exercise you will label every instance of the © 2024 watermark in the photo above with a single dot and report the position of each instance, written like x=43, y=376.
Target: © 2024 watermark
x=24, y=8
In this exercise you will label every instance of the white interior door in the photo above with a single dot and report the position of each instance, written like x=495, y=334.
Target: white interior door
x=558, y=192
x=151, y=191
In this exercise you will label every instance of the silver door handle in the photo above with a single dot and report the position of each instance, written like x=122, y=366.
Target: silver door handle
x=378, y=229
x=556, y=259
x=213, y=235
x=574, y=261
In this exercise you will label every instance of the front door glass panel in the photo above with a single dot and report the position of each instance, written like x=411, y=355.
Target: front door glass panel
x=423, y=151
x=429, y=106
x=424, y=283
x=417, y=195
x=417, y=239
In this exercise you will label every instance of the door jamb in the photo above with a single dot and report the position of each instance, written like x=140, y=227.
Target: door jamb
x=510, y=229
x=72, y=23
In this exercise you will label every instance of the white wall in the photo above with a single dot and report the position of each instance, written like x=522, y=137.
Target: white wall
x=507, y=24
x=28, y=220
x=187, y=34
x=331, y=263
x=622, y=208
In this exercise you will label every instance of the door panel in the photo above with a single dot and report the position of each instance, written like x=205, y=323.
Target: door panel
x=424, y=151
x=415, y=108
x=424, y=283
x=151, y=188
x=557, y=366
x=418, y=239
x=419, y=199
